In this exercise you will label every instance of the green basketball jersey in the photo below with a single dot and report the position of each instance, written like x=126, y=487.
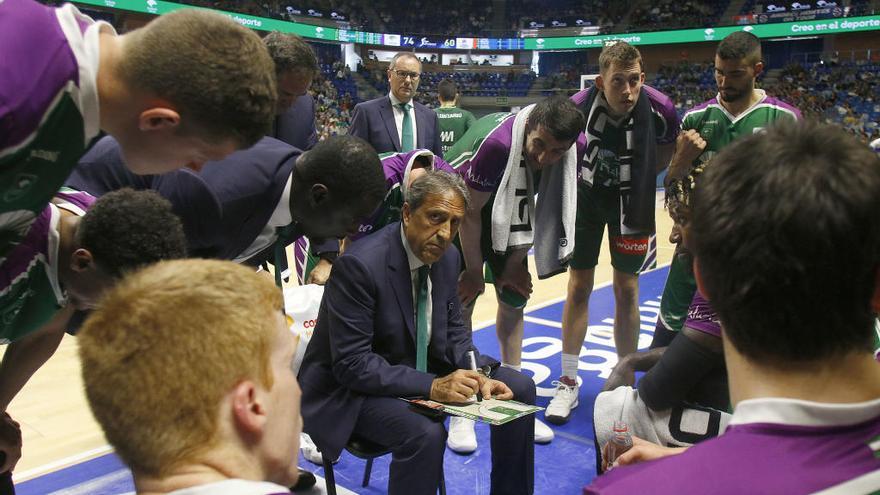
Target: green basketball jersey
x=719, y=128
x=454, y=122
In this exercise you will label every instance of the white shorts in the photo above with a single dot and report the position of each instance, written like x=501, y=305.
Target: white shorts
x=680, y=426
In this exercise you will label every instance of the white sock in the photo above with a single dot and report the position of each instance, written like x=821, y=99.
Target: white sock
x=514, y=367
x=570, y=365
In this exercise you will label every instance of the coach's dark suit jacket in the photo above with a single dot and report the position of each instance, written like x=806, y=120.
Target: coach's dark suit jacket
x=373, y=121
x=364, y=341
x=296, y=126
x=223, y=207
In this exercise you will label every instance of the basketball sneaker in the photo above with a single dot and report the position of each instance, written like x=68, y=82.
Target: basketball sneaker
x=543, y=433
x=462, y=439
x=564, y=400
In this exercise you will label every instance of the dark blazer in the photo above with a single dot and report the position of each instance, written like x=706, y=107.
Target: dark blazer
x=296, y=126
x=223, y=207
x=364, y=341
x=373, y=121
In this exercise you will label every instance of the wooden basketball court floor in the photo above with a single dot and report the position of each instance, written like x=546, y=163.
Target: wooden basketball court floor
x=58, y=429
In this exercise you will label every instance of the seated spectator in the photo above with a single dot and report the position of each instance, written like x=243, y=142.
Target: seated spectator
x=803, y=380
x=332, y=113
x=190, y=378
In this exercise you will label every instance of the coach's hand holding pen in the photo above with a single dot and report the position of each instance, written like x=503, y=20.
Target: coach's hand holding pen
x=474, y=368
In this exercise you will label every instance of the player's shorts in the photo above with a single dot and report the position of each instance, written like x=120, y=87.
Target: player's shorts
x=494, y=263
x=679, y=426
x=597, y=207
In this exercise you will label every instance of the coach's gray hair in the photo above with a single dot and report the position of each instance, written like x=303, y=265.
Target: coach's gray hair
x=436, y=182
x=401, y=55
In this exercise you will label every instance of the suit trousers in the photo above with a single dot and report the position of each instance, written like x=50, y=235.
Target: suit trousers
x=418, y=442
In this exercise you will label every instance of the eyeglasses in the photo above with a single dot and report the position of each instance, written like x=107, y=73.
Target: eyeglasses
x=403, y=74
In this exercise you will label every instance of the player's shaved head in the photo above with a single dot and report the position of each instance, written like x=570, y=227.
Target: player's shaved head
x=740, y=45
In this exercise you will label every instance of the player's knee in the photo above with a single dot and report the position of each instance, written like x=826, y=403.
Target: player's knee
x=626, y=289
x=510, y=310
x=580, y=282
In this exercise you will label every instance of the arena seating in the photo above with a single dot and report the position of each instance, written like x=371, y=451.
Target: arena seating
x=335, y=97
x=846, y=93
x=670, y=14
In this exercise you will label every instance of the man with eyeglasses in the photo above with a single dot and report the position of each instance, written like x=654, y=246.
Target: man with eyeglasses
x=396, y=122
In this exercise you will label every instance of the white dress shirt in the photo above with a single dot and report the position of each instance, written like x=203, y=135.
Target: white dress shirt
x=280, y=217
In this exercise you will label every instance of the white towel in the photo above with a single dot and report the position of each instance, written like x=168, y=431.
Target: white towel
x=624, y=404
x=554, y=218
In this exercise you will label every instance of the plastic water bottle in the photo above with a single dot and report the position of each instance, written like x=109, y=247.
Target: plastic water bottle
x=620, y=442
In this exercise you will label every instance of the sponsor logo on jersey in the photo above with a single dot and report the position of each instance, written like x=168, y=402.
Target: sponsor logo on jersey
x=476, y=179
x=630, y=245
x=707, y=130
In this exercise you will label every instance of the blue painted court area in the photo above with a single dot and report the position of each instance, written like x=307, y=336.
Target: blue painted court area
x=561, y=467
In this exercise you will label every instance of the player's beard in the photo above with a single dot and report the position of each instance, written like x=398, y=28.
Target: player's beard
x=733, y=95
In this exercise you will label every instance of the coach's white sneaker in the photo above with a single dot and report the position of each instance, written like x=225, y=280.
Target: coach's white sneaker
x=543, y=433
x=462, y=438
x=310, y=450
x=564, y=400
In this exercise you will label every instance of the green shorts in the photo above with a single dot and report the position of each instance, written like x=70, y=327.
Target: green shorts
x=597, y=207
x=494, y=262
